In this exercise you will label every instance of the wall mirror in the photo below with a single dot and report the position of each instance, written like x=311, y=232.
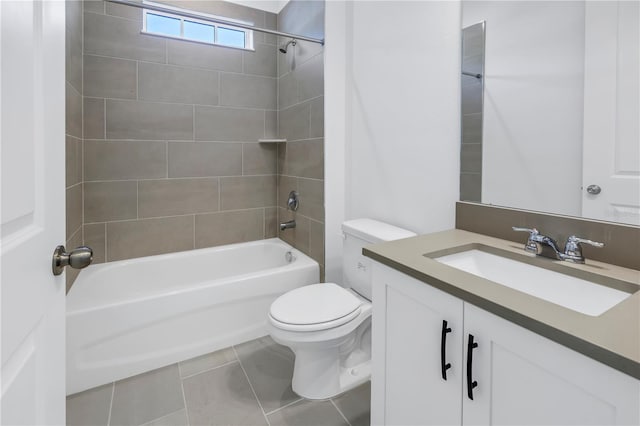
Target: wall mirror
x=551, y=107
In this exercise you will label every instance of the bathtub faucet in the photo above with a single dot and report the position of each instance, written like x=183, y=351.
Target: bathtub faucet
x=288, y=225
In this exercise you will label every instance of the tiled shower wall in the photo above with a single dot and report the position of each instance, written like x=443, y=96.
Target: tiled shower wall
x=472, y=113
x=301, y=122
x=73, y=144
x=171, y=154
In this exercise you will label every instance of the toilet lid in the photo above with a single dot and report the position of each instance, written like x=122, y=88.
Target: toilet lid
x=315, y=307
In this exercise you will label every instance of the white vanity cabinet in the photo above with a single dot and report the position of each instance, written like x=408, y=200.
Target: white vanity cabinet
x=522, y=377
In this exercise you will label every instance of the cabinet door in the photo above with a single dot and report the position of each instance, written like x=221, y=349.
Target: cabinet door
x=407, y=335
x=524, y=378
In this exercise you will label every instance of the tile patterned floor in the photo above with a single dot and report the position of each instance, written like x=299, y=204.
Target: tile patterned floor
x=247, y=384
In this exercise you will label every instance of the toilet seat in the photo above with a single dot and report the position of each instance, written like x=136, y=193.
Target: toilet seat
x=314, y=307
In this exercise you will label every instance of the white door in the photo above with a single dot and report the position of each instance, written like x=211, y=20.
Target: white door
x=611, y=158
x=32, y=43
x=526, y=379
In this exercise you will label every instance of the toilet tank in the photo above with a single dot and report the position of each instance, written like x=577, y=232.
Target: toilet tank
x=359, y=233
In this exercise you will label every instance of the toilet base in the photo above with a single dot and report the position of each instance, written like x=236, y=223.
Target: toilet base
x=318, y=380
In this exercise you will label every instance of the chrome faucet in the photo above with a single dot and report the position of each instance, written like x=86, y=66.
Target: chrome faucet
x=288, y=225
x=545, y=246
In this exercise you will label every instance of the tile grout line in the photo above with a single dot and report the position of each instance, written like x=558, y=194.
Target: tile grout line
x=226, y=364
x=340, y=412
x=166, y=415
x=113, y=391
x=284, y=406
x=184, y=397
x=251, y=386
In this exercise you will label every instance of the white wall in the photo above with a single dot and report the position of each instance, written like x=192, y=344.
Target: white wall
x=404, y=141
x=392, y=116
x=533, y=103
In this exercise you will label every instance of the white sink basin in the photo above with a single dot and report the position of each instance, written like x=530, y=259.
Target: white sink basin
x=573, y=293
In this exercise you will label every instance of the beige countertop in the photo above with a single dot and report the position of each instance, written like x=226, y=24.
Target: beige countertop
x=612, y=338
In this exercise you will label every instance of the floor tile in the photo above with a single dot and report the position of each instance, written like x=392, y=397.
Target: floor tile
x=206, y=362
x=179, y=418
x=269, y=367
x=221, y=397
x=140, y=399
x=356, y=405
x=307, y=413
x=90, y=408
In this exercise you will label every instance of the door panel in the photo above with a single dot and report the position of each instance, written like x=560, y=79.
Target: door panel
x=415, y=390
x=526, y=379
x=611, y=157
x=32, y=204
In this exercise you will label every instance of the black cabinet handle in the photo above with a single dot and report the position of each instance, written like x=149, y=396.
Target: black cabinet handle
x=443, y=350
x=470, y=382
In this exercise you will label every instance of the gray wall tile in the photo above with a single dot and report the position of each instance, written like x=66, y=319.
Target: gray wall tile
x=271, y=124
x=470, y=186
x=293, y=122
x=248, y=91
x=287, y=90
x=310, y=76
x=167, y=83
x=316, y=119
x=471, y=158
x=73, y=111
x=111, y=36
x=198, y=55
x=228, y=124
x=245, y=192
x=202, y=159
x=73, y=56
x=259, y=158
x=94, y=6
x=230, y=227
x=109, y=77
x=116, y=160
x=177, y=196
x=472, y=128
x=298, y=236
x=74, y=209
x=138, y=238
x=286, y=184
x=472, y=98
x=108, y=201
x=316, y=241
x=148, y=120
x=95, y=236
x=94, y=118
x=311, y=198
x=262, y=61
x=72, y=274
x=305, y=159
x=270, y=222
x=73, y=161
x=123, y=11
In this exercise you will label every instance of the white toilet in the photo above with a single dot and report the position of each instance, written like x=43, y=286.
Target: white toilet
x=327, y=326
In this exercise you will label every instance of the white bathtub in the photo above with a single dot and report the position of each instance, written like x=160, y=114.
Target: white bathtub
x=128, y=317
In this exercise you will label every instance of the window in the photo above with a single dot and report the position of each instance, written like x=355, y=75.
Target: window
x=175, y=25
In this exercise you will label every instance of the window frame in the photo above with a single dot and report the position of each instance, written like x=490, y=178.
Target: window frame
x=248, y=34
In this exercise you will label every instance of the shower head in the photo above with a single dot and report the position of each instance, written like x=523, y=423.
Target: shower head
x=284, y=48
